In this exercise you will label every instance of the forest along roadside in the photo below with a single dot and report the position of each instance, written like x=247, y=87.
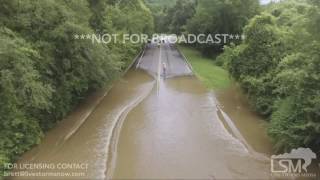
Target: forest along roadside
x=251, y=127
x=139, y=131
x=88, y=143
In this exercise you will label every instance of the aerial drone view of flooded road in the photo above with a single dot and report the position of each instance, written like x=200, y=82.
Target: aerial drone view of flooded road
x=159, y=89
x=152, y=124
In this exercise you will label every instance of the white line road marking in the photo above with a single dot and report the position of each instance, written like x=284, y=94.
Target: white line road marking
x=159, y=70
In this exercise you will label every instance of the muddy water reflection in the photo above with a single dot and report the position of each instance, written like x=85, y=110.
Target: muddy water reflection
x=252, y=127
x=85, y=136
x=139, y=131
x=177, y=133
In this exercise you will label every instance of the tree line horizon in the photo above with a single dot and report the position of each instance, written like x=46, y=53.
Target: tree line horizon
x=45, y=72
x=277, y=65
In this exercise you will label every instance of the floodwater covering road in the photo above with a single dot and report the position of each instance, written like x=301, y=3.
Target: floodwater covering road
x=155, y=127
x=177, y=132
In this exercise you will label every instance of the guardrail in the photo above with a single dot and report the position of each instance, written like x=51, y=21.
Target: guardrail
x=139, y=56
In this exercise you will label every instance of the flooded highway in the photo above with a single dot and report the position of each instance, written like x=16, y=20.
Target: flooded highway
x=153, y=127
x=86, y=135
x=177, y=133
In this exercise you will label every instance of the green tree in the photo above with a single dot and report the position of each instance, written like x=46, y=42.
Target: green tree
x=221, y=17
x=278, y=67
x=22, y=95
x=45, y=71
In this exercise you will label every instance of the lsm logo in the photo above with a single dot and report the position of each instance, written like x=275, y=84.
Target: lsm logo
x=293, y=164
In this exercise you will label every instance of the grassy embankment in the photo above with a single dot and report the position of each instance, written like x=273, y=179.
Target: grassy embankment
x=213, y=76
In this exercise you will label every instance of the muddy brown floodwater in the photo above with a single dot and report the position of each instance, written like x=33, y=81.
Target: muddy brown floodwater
x=85, y=136
x=251, y=126
x=177, y=133
x=150, y=126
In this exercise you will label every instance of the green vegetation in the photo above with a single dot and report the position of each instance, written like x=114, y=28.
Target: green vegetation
x=220, y=17
x=277, y=64
x=172, y=17
x=204, y=17
x=278, y=67
x=213, y=76
x=45, y=71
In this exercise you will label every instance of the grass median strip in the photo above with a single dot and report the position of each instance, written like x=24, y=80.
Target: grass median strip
x=213, y=76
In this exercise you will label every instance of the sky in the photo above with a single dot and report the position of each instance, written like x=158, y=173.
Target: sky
x=266, y=1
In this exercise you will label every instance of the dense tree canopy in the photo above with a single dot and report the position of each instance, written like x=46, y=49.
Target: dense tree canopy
x=221, y=17
x=277, y=64
x=278, y=67
x=45, y=71
x=172, y=17
x=204, y=17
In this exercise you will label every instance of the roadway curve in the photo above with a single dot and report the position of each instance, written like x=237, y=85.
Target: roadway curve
x=148, y=127
x=177, y=131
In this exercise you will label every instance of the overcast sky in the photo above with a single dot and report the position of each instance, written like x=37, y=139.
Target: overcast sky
x=266, y=1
